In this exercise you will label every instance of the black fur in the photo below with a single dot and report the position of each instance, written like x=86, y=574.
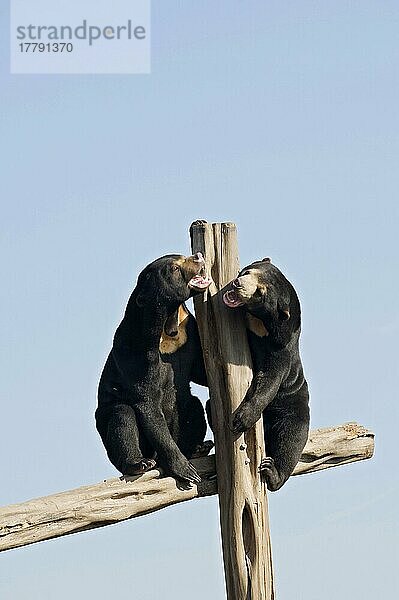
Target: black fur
x=145, y=407
x=188, y=365
x=279, y=391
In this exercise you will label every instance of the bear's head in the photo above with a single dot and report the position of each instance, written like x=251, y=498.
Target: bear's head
x=262, y=290
x=169, y=281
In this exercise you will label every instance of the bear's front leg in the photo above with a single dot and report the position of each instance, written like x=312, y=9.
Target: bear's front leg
x=156, y=430
x=262, y=391
x=245, y=416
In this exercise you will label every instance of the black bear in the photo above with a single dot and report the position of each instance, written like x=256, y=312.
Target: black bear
x=145, y=407
x=278, y=390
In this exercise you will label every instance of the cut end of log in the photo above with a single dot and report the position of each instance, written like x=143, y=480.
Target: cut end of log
x=334, y=446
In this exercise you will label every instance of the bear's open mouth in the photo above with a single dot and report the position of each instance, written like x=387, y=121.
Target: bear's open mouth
x=231, y=299
x=201, y=281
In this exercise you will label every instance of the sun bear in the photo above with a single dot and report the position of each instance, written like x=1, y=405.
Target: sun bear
x=146, y=413
x=278, y=391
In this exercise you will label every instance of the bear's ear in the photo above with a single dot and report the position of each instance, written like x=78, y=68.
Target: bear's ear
x=266, y=260
x=171, y=326
x=283, y=311
x=284, y=314
x=143, y=292
x=140, y=299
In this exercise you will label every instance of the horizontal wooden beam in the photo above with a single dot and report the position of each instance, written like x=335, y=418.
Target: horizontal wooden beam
x=122, y=498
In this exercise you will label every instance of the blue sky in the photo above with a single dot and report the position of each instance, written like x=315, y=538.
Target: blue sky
x=281, y=117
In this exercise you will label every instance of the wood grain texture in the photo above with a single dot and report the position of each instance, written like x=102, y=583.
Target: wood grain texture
x=242, y=495
x=119, y=499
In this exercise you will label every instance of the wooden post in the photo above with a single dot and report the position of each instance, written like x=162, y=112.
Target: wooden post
x=242, y=496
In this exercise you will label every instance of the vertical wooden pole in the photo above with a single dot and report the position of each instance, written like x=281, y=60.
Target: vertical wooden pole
x=242, y=496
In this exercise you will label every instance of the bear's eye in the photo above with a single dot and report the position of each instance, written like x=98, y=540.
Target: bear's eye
x=175, y=268
x=246, y=273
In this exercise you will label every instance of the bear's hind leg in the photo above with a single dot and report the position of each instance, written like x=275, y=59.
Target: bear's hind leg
x=285, y=438
x=271, y=475
x=127, y=450
x=192, y=428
